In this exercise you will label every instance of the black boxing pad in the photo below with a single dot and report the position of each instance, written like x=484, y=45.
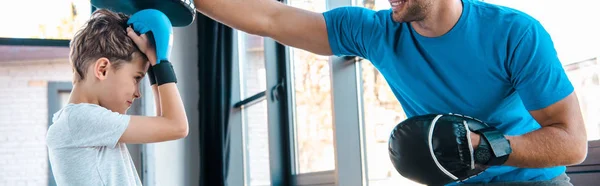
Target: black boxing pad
x=180, y=12
x=436, y=149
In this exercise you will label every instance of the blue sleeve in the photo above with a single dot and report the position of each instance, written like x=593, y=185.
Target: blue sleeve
x=536, y=71
x=350, y=30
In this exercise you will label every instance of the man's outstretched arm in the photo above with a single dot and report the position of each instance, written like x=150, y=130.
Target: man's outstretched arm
x=269, y=18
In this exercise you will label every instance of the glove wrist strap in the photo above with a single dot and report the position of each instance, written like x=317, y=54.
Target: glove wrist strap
x=499, y=145
x=164, y=73
x=151, y=76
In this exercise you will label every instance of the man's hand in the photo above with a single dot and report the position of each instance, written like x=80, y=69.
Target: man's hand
x=561, y=141
x=475, y=139
x=144, y=44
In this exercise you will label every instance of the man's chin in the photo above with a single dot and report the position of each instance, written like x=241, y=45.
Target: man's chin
x=403, y=18
x=398, y=18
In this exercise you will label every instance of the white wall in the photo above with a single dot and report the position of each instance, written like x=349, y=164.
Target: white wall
x=24, y=118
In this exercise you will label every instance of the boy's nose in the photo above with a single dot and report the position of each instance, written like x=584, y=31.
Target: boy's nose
x=137, y=93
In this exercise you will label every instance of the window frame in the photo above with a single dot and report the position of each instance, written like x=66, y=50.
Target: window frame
x=275, y=95
x=350, y=161
x=349, y=149
x=54, y=90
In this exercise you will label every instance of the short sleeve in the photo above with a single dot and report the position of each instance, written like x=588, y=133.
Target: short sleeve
x=350, y=30
x=536, y=71
x=93, y=125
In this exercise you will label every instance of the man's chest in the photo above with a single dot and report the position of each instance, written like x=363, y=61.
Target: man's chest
x=453, y=80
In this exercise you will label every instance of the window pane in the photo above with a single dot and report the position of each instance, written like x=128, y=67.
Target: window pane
x=578, y=45
x=314, y=129
x=253, y=81
x=382, y=112
x=574, y=31
x=64, y=98
x=257, y=144
x=584, y=76
x=42, y=19
x=252, y=64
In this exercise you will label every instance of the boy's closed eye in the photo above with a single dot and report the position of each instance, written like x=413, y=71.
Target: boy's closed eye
x=138, y=77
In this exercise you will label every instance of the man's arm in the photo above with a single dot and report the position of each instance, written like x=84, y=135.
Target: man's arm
x=269, y=18
x=562, y=140
x=541, y=82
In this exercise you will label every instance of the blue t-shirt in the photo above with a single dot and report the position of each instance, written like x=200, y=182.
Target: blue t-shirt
x=495, y=64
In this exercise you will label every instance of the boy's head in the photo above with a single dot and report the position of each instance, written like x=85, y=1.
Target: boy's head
x=106, y=62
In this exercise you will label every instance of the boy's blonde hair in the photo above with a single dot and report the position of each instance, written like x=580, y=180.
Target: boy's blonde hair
x=103, y=35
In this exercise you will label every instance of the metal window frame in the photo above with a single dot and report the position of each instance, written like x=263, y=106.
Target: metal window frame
x=280, y=112
x=34, y=42
x=348, y=122
x=237, y=174
x=277, y=96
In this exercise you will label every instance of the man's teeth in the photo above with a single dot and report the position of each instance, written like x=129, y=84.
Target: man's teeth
x=397, y=3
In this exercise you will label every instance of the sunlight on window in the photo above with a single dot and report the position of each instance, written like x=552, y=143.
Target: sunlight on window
x=255, y=116
x=573, y=26
x=42, y=19
x=314, y=123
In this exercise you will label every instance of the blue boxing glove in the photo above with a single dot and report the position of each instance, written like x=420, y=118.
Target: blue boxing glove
x=156, y=22
x=159, y=26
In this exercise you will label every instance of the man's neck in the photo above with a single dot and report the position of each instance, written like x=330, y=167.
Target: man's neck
x=442, y=17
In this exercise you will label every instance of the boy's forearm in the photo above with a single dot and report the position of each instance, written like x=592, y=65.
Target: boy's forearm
x=171, y=106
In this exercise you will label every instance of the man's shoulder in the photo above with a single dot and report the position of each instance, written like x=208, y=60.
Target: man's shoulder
x=499, y=16
x=504, y=25
x=357, y=13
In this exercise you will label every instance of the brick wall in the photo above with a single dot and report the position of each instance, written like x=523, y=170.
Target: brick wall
x=23, y=119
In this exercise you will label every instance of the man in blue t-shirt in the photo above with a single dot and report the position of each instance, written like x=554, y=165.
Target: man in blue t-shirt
x=490, y=62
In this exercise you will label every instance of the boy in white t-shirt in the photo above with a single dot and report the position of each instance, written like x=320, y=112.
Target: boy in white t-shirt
x=87, y=139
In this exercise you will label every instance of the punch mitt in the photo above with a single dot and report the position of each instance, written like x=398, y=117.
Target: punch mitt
x=436, y=149
x=180, y=12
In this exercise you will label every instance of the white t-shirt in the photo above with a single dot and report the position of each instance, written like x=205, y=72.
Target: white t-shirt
x=83, y=147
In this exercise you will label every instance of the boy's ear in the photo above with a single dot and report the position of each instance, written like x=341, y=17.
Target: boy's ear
x=101, y=68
